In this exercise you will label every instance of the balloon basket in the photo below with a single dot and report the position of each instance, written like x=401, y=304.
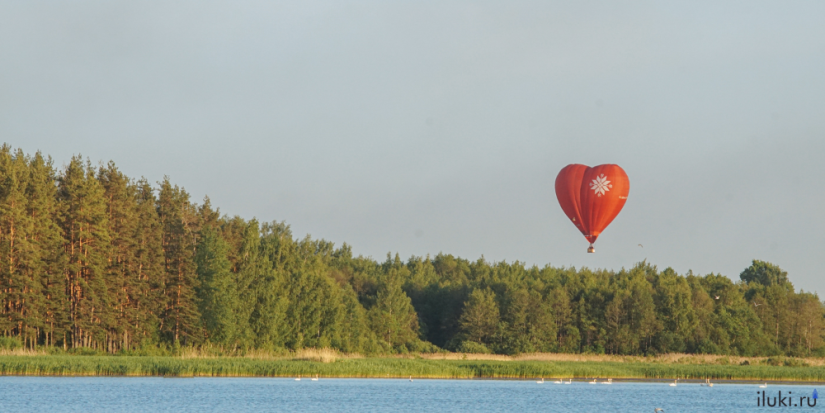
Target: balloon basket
x=591, y=250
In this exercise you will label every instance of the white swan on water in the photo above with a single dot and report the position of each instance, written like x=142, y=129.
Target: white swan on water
x=298, y=378
x=762, y=386
x=541, y=382
x=674, y=383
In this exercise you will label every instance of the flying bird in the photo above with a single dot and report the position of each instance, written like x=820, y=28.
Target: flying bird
x=641, y=245
x=717, y=297
x=658, y=409
x=756, y=305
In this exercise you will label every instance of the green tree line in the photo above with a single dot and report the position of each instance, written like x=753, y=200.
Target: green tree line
x=90, y=258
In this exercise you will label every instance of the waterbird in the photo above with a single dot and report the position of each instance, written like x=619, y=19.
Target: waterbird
x=410, y=378
x=298, y=378
x=541, y=382
x=674, y=383
x=658, y=409
x=762, y=386
x=315, y=378
x=609, y=381
x=568, y=381
x=592, y=382
x=557, y=382
x=756, y=305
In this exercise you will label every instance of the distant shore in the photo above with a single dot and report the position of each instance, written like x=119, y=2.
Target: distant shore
x=451, y=366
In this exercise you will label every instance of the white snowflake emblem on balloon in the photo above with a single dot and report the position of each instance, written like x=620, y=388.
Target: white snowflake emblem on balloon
x=600, y=185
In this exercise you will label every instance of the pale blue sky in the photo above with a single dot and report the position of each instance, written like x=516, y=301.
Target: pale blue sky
x=423, y=127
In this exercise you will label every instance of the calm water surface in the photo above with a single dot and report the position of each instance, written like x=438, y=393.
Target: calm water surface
x=149, y=394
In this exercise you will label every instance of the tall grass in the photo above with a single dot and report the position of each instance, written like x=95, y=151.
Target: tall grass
x=312, y=364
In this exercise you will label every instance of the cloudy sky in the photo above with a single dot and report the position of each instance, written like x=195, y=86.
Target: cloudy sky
x=424, y=127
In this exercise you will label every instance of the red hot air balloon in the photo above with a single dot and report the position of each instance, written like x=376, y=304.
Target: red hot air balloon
x=592, y=197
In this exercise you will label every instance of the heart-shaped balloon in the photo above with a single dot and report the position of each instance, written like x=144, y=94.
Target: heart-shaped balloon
x=592, y=197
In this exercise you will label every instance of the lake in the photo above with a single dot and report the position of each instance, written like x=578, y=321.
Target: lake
x=154, y=394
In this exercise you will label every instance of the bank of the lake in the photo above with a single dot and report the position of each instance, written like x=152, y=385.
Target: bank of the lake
x=73, y=365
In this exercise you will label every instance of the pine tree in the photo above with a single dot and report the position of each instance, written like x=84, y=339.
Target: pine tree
x=393, y=317
x=122, y=282
x=16, y=251
x=250, y=268
x=559, y=302
x=355, y=335
x=268, y=320
x=148, y=266
x=217, y=293
x=672, y=298
x=480, y=318
x=48, y=260
x=809, y=323
x=134, y=263
x=307, y=296
x=85, y=227
x=180, y=319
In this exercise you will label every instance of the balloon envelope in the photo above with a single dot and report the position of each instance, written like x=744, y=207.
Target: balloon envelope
x=592, y=197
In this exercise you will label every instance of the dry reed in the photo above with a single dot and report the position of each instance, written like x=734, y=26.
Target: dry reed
x=670, y=358
x=323, y=355
x=22, y=352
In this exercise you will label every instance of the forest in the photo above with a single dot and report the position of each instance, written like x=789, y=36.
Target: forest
x=93, y=259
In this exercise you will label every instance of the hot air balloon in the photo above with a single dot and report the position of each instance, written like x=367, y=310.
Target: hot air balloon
x=592, y=197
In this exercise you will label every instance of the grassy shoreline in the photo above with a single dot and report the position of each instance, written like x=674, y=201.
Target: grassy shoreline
x=395, y=367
